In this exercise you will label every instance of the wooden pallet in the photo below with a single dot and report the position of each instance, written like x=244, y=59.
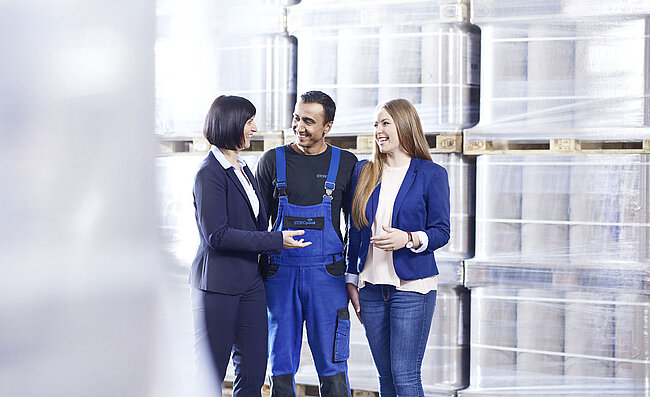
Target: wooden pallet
x=197, y=143
x=554, y=146
x=438, y=143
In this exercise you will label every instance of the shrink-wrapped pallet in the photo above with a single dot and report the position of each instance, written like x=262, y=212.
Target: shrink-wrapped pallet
x=205, y=49
x=562, y=220
x=362, y=54
x=556, y=343
x=563, y=70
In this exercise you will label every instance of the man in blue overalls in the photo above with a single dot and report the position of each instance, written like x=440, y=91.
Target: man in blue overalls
x=305, y=185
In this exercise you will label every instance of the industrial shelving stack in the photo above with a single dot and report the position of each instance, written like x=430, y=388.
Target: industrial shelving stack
x=560, y=281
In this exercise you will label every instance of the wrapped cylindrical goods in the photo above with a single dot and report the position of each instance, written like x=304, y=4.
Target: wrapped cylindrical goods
x=498, y=209
x=642, y=344
x=357, y=60
x=544, y=211
x=610, y=74
x=280, y=82
x=399, y=63
x=588, y=338
x=450, y=75
x=447, y=356
x=504, y=68
x=550, y=76
x=317, y=60
x=493, y=337
x=540, y=328
x=461, y=171
x=583, y=221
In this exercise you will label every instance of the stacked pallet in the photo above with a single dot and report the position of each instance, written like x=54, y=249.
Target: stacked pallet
x=206, y=48
x=560, y=279
x=366, y=53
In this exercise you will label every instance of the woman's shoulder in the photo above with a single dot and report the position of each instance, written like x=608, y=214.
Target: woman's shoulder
x=431, y=168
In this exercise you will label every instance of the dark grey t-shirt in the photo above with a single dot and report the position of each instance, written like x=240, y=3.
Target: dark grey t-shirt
x=306, y=181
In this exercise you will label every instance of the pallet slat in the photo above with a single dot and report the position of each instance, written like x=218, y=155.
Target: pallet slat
x=554, y=146
x=438, y=143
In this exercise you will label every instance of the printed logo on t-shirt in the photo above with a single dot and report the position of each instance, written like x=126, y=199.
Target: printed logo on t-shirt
x=323, y=176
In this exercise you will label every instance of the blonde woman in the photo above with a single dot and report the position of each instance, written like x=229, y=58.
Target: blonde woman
x=400, y=215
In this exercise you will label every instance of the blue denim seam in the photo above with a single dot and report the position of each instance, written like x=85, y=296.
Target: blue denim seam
x=418, y=366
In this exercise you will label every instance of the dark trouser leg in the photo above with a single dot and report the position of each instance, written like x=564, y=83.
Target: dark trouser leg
x=215, y=317
x=250, y=350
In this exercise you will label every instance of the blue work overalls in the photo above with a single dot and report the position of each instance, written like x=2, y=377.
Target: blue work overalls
x=308, y=285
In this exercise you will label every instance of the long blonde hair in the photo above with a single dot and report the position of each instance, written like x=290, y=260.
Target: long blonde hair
x=411, y=140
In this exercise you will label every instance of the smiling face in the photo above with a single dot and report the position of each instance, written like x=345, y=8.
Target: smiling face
x=249, y=129
x=308, y=126
x=386, y=135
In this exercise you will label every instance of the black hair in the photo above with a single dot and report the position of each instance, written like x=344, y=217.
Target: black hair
x=225, y=121
x=322, y=98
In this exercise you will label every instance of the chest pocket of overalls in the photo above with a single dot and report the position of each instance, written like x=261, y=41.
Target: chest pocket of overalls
x=314, y=226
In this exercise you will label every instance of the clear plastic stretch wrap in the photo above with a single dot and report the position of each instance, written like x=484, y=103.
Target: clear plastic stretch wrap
x=208, y=48
x=529, y=342
x=562, y=220
x=445, y=368
x=363, y=53
x=563, y=69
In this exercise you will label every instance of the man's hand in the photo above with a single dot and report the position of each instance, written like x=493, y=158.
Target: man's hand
x=353, y=293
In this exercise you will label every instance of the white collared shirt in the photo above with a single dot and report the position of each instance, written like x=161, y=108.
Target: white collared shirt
x=248, y=187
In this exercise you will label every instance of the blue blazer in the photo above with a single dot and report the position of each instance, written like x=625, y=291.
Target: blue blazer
x=422, y=204
x=230, y=236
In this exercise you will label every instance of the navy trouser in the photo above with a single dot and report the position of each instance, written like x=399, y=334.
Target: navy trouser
x=232, y=324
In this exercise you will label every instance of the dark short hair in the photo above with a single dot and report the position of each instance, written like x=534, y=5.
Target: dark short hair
x=225, y=121
x=322, y=98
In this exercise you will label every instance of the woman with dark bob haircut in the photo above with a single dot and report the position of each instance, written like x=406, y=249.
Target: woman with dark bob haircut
x=228, y=297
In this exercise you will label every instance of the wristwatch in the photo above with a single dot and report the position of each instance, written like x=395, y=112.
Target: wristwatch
x=409, y=243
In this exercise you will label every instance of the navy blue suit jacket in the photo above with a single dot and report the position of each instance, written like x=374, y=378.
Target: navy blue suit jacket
x=230, y=236
x=422, y=204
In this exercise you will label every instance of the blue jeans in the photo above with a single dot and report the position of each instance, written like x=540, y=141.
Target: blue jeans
x=397, y=325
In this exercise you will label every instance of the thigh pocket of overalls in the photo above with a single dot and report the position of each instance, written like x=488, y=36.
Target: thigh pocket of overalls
x=342, y=336
x=336, y=269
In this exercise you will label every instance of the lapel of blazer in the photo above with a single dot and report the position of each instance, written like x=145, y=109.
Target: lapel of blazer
x=262, y=213
x=231, y=174
x=403, y=190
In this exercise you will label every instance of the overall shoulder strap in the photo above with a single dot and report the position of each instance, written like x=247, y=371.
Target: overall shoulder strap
x=281, y=170
x=330, y=182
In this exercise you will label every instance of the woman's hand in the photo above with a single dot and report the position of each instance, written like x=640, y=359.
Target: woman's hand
x=289, y=242
x=394, y=239
x=353, y=293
